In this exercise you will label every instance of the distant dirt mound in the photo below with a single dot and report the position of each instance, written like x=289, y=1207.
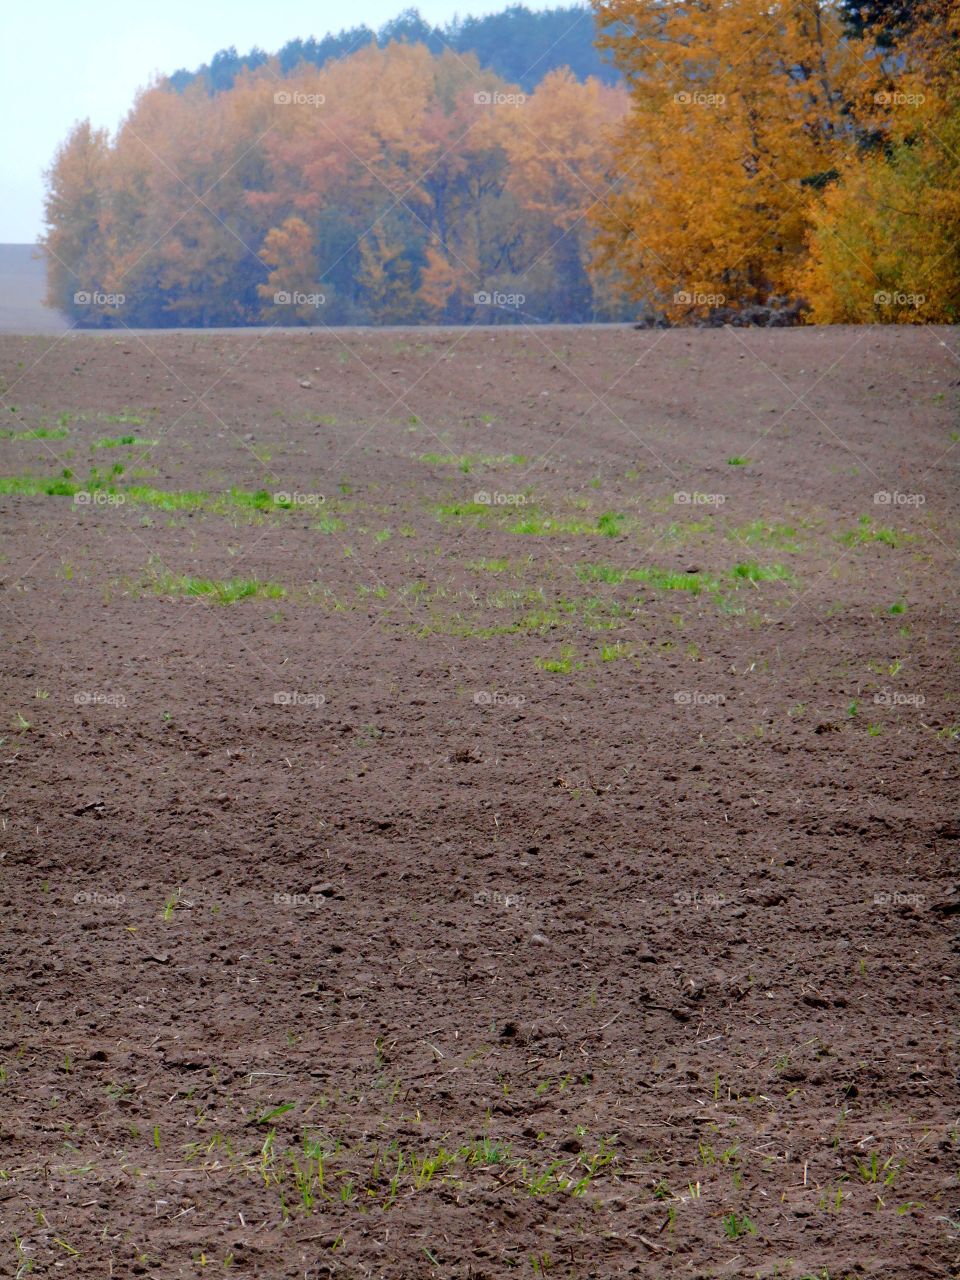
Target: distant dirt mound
x=23, y=282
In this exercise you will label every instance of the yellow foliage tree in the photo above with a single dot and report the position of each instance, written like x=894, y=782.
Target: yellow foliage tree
x=385, y=273
x=439, y=281
x=737, y=118
x=291, y=289
x=885, y=243
x=558, y=147
x=75, y=212
x=553, y=142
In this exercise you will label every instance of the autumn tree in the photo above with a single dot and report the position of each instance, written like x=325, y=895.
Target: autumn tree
x=885, y=21
x=391, y=182
x=737, y=115
x=74, y=210
x=292, y=291
x=183, y=241
x=885, y=241
x=558, y=150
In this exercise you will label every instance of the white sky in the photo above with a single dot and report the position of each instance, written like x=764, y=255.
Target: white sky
x=68, y=60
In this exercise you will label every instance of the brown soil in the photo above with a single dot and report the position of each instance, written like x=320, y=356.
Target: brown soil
x=641, y=884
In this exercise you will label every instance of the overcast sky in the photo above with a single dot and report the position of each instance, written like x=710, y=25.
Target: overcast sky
x=66, y=60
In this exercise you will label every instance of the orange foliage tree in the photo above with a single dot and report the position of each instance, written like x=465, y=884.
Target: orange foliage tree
x=397, y=183
x=291, y=289
x=558, y=147
x=75, y=211
x=737, y=116
x=885, y=242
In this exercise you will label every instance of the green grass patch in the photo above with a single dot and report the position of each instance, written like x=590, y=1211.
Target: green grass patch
x=669, y=580
x=557, y=666
x=466, y=462
x=611, y=652
x=609, y=524
x=242, y=500
x=735, y=1226
x=665, y=580
x=226, y=591
x=530, y=521
x=750, y=571
x=457, y=510
x=781, y=536
x=36, y=433
x=319, y=1172
x=126, y=417
x=867, y=532
x=54, y=486
x=737, y=461
x=489, y=566
x=602, y=573
x=691, y=529
x=661, y=579
x=165, y=499
x=118, y=442
x=536, y=524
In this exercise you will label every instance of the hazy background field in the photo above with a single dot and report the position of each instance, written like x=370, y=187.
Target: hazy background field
x=22, y=286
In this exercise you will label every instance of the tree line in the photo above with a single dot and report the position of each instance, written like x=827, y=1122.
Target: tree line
x=519, y=45
x=790, y=157
x=393, y=185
